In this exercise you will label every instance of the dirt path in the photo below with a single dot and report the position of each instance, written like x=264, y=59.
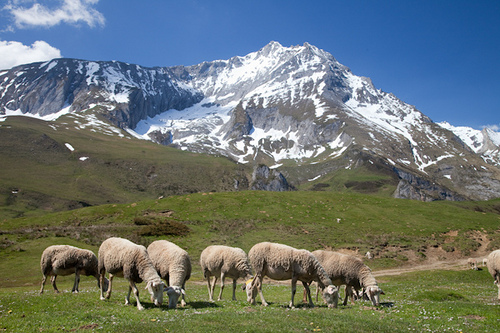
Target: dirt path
x=458, y=264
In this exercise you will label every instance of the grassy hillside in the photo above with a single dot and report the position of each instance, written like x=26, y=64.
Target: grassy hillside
x=397, y=231
x=40, y=173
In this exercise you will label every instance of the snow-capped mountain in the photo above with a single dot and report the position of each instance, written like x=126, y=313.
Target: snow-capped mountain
x=279, y=106
x=485, y=142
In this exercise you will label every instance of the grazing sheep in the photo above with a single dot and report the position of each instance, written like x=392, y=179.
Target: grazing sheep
x=174, y=266
x=66, y=260
x=472, y=264
x=351, y=271
x=120, y=257
x=224, y=261
x=493, y=265
x=282, y=262
x=485, y=261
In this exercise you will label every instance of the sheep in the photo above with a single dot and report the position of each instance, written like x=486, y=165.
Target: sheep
x=351, y=271
x=174, y=266
x=493, y=265
x=224, y=261
x=120, y=257
x=472, y=264
x=283, y=262
x=66, y=260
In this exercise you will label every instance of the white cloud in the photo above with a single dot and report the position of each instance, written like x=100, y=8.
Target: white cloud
x=16, y=53
x=495, y=128
x=67, y=11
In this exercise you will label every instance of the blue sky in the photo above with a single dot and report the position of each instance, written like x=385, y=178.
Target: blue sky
x=441, y=56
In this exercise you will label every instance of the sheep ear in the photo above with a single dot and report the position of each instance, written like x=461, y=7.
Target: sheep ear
x=148, y=285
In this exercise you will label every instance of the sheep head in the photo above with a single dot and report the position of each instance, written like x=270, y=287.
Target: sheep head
x=155, y=288
x=373, y=294
x=174, y=293
x=331, y=296
x=251, y=288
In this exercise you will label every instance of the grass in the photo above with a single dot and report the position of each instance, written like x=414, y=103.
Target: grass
x=40, y=174
x=385, y=226
x=433, y=301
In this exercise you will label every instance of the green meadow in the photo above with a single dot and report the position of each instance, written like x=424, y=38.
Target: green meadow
x=401, y=233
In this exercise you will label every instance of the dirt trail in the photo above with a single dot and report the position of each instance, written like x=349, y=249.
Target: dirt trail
x=457, y=264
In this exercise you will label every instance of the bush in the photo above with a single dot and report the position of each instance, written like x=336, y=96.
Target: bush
x=163, y=228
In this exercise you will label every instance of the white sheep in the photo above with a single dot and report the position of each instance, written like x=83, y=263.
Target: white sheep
x=66, y=260
x=493, y=265
x=351, y=271
x=174, y=266
x=224, y=261
x=120, y=257
x=472, y=264
x=282, y=262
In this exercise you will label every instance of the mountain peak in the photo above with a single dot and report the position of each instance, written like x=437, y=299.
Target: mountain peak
x=277, y=106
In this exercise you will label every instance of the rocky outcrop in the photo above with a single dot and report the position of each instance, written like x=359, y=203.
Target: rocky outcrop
x=413, y=187
x=264, y=178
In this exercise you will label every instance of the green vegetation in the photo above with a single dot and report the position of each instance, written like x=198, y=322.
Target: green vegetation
x=437, y=301
x=41, y=174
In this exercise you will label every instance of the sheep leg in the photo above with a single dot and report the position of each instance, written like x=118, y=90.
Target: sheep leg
x=222, y=278
x=497, y=282
x=346, y=295
x=183, y=301
x=304, y=296
x=77, y=281
x=108, y=294
x=53, y=281
x=234, y=289
x=43, y=283
x=133, y=287
x=212, y=289
x=308, y=291
x=257, y=283
x=349, y=291
x=209, y=287
x=294, y=289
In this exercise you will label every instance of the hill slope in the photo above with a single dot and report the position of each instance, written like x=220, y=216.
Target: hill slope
x=50, y=166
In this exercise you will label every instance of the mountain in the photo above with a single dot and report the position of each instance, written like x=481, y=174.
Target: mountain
x=296, y=109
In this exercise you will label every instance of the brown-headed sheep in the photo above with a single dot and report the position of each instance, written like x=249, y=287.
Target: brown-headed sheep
x=66, y=260
x=493, y=265
x=282, y=262
x=174, y=266
x=120, y=257
x=348, y=270
x=224, y=261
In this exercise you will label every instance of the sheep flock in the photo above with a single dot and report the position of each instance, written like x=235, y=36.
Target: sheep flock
x=163, y=260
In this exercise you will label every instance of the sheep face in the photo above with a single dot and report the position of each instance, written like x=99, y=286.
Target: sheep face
x=251, y=290
x=331, y=296
x=374, y=295
x=156, y=291
x=173, y=294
